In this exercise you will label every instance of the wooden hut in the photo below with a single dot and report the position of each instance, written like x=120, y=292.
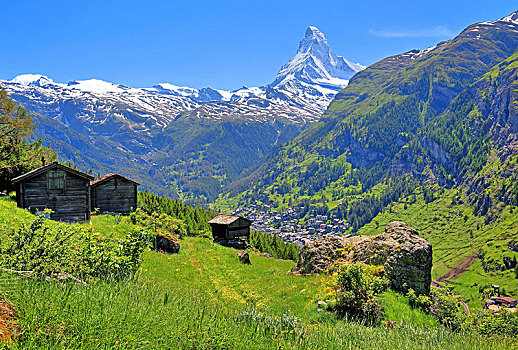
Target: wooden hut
x=64, y=190
x=228, y=227
x=114, y=193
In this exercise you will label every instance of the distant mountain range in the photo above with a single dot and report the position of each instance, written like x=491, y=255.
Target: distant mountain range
x=187, y=140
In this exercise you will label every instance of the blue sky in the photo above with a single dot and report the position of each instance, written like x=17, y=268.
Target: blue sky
x=222, y=44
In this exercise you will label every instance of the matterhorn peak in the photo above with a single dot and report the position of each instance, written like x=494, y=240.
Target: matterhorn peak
x=313, y=39
x=312, y=33
x=316, y=65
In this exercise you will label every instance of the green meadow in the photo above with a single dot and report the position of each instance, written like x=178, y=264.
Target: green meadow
x=203, y=298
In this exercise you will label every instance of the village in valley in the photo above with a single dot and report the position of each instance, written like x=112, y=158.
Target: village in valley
x=292, y=225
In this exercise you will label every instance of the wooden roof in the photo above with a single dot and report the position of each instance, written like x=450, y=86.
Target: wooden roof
x=223, y=219
x=505, y=299
x=109, y=176
x=52, y=166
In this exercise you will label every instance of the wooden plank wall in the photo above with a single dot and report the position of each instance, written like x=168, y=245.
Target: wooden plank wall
x=70, y=204
x=239, y=223
x=240, y=232
x=115, y=195
x=219, y=231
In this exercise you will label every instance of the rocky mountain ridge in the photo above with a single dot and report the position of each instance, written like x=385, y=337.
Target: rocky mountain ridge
x=301, y=90
x=155, y=125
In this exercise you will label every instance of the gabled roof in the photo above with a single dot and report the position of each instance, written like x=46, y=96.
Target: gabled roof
x=505, y=299
x=109, y=176
x=223, y=219
x=52, y=166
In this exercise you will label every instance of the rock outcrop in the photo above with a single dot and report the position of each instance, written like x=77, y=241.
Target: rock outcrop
x=244, y=258
x=165, y=244
x=406, y=257
x=317, y=256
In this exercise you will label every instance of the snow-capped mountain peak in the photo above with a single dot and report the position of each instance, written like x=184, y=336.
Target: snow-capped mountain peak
x=312, y=38
x=97, y=86
x=300, y=93
x=513, y=18
x=316, y=65
x=170, y=89
x=32, y=80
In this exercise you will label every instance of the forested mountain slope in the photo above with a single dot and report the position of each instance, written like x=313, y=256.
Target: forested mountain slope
x=384, y=110
x=474, y=142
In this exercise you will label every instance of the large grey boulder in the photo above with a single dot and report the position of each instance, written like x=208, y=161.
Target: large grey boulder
x=406, y=257
x=317, y=256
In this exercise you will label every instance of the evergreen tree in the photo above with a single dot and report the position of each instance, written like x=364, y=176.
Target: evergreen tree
x=17, y=155
x=274, y=246
x=196, y=219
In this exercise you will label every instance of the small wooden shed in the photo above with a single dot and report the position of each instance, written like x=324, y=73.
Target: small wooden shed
x=64, y=190
x=114, y=193
x=228, y=227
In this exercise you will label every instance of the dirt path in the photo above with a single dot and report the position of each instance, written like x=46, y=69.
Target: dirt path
x=466, y=308
x=462, y=302
x=459, y=269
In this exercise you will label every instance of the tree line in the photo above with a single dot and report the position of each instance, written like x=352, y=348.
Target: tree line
x=195, y=218
x=274, y=246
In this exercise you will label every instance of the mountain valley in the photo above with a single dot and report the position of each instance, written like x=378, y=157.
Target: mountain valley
x=328, y=148
x=210, y=136
x=429, y=131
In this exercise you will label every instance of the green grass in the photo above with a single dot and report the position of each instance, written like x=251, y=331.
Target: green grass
x=215, y=270
x=203, y=298
x=109, y=226
x=396, y=307
x=137, y=315
x=106, y=225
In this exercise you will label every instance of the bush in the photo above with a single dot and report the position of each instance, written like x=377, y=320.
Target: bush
x=160, y=223
x=356, y=287
x=445, y=307
x=51, y=248
x=503, y=323
x=421, y=302
x=442, y=304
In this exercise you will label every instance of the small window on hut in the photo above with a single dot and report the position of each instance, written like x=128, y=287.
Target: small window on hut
x=56, y=180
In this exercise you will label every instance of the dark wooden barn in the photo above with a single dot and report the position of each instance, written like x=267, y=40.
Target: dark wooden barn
x=114, y=193
x=228, y=227
x=64, y=190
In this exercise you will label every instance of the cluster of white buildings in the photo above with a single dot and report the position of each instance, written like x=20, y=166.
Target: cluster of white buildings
x=294, y=225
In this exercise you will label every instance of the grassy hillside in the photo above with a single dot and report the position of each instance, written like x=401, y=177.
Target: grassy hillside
x=203, y=298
